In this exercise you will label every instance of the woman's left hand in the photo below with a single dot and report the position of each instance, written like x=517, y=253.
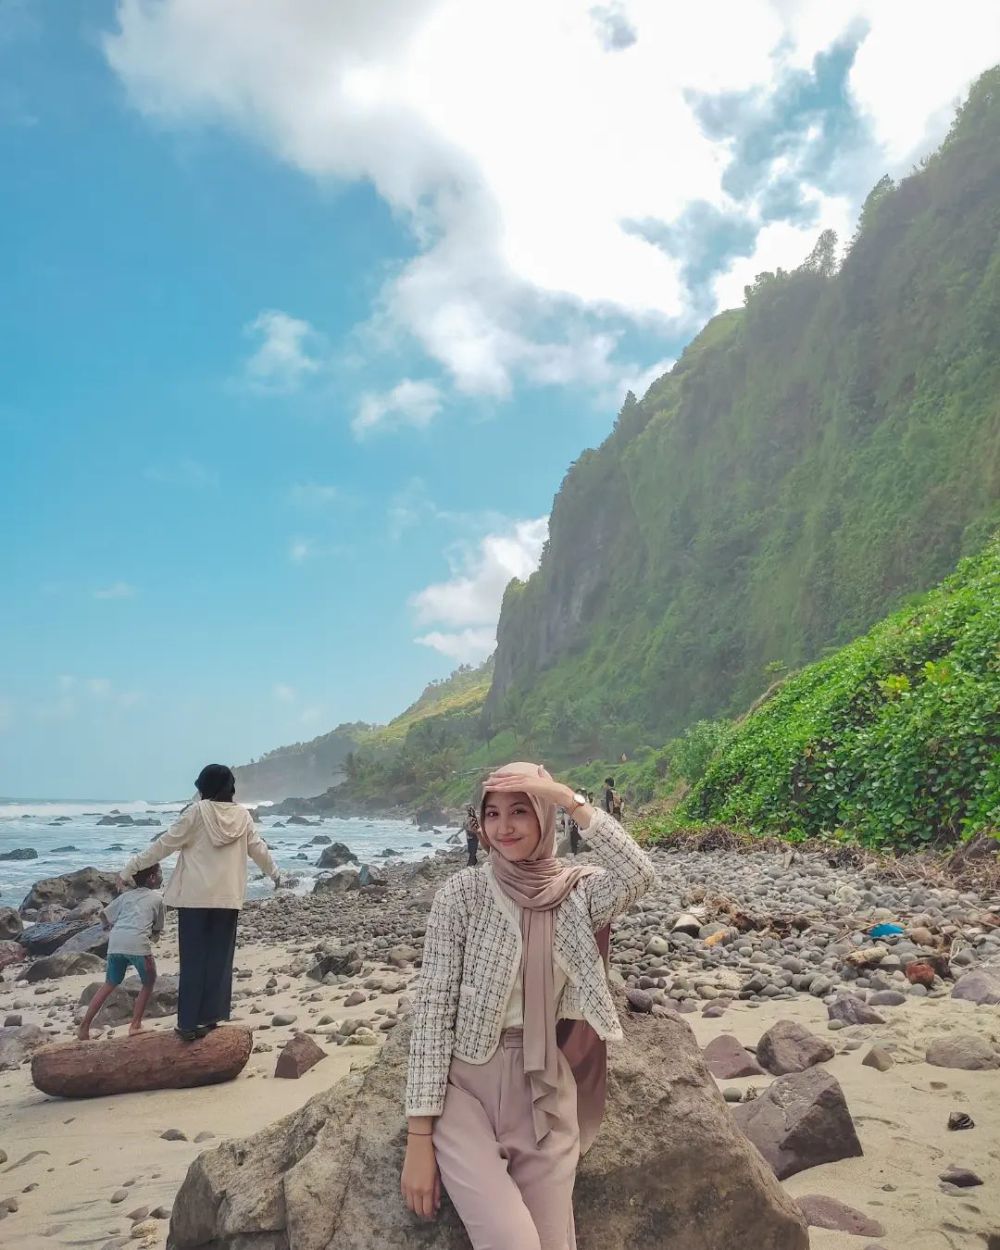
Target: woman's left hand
x=542, y=786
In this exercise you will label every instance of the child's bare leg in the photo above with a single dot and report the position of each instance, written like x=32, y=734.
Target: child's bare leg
x=96, y=1003
x=141, y=1003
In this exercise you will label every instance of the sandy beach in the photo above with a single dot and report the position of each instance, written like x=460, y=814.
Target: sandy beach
x=90, y=1172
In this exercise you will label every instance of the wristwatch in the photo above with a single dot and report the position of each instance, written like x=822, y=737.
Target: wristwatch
x=579, y=800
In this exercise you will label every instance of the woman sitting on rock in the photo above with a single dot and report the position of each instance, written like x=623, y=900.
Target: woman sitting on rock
x=500, y=1103
x=212, y=839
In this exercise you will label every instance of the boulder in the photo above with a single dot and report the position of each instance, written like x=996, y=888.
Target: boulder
x=370, y=874
x=11, y=953
x=320, y=840
x=967, y=1051
x=727, y=1059
x=790, y=1047
x=339, y=881
x=116, y=820
x=17, y=1044
x=47, y=937
x=11, y=923
x=301, y=820
x=71, y=888
x=19, y=853
x=850, y=1009
x=151, y=1060
x=118, y=1006
x=50, y=967
x=800, y=1121
x=667, y=1170
x=982, y=986
x=297, y=1056
x=335, y=855
x=93, y=941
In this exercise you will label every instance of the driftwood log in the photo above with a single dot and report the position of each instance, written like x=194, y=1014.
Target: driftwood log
x=150, y=1060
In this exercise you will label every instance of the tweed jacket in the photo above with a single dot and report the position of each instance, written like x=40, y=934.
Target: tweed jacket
x=472, y=955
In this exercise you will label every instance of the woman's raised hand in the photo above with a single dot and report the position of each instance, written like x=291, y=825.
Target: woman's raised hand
x=420, y=1183
x=542, y=785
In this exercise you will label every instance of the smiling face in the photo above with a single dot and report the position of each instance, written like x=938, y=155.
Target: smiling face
x=511, y=825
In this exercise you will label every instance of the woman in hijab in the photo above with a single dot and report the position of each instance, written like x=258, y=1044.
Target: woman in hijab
x=212, y=839
x=507, y=1057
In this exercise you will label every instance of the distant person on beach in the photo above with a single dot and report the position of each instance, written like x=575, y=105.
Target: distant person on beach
x=472, y=836
x=135, y=919
x=212, y=839
x=612, y=799
x=500, y=1101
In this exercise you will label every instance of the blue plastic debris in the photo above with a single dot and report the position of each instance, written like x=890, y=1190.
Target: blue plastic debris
x=885, y=930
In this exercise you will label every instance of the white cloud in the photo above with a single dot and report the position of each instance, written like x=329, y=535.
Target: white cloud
x=117, y=590
x=468, y=603
x=283, y=693
x=408, y=403
x=283, y=359
x=518, y=141
x=314, y=496
x=464, y=646
x=188, y=474
x=300, y=549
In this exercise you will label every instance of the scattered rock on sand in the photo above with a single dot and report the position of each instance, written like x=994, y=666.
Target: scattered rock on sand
x=823, y=1212
x=850, y=1009
x=11, y=953
x=173, y=1134
x=967, y=1051
x=879, y=1059
x=298, y=1056
x=800, y=1121
x=790, y=1047
x=982, y=985
x=333, y=1166
x=963, y=1178
x=71, y=888
x=18, y=1043
x=727, y=1059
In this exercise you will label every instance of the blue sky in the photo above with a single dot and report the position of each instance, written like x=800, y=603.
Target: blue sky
x=303, y=322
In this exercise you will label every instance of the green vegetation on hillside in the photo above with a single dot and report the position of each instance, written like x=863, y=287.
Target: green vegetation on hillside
x=812, y=460
x=893, y=739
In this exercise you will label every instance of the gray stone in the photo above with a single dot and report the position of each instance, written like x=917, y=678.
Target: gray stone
x=790, y=1047
x=728, y=1060
x=967, y=1051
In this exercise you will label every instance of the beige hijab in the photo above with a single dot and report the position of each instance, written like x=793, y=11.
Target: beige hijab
x=539, y=885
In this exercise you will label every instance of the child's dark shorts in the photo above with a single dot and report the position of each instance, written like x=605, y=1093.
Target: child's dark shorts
x=118, y=965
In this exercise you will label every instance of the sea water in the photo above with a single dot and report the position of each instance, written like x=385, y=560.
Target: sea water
x=51, y=827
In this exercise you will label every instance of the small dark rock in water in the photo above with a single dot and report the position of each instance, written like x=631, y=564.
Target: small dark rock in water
x=173, y=1134
x=824, y=1212
x=21, y=852
x=63, y=850
x=962, y=1177
x=959, y=1120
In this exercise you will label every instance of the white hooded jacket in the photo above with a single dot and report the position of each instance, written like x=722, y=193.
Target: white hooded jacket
x=212, y=842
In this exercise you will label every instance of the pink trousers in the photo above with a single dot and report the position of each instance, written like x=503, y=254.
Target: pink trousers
x=510, y=1192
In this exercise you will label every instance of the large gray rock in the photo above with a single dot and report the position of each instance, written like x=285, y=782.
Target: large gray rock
x=92, y=941
x=338, y=960
x=727, y=1059
x=59, y=965
x=788, y=1046
x=70, y=889
x=967, y=1051
x=44, y=938
x=118, y=1006
x=339, y=881
x=335, y=855
x=18, y=1043
x=800, y=1121
x=982, y=985
x=850, y=1009
x=668, y=1171
x=10, y=923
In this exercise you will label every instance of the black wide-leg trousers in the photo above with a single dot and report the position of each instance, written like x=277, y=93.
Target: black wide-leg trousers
x=207, y=938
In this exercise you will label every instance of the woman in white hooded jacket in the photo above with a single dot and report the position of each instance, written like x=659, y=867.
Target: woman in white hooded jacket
x=212, y=839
